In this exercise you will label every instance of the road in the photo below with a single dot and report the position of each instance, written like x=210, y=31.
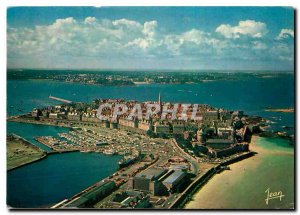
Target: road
x=195, y=168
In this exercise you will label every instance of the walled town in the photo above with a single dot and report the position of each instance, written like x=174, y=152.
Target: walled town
x=163, y=160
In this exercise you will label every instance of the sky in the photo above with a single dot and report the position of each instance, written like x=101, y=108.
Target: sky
x=141, y=38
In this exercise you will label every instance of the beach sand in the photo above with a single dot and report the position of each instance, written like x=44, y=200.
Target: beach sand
x=244, y=185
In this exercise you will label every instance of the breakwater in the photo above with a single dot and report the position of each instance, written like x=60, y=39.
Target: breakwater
x=25, y=142
x=60, y=152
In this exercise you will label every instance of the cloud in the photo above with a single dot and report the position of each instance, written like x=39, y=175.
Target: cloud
x=147, y=39
x=282, y=51
x=90, y=20
x=249, y=28
x=150, y=28
x=90, y=40
x=193, y=43
x=259, y=45
x=285, y=34
x=71, y=37
x=283, y=46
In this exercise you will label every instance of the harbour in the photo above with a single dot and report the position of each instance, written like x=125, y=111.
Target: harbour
x=72, y=172
x=62, y=133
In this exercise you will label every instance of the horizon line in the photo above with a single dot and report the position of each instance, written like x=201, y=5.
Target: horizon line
x=154, y=69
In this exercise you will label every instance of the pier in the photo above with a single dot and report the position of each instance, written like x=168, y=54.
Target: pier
x=60, y=99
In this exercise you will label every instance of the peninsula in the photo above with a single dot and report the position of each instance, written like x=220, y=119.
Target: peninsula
x=165, y=160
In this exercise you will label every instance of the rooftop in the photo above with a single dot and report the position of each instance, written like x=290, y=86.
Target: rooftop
x=219, y=141
x=152, y=173
x=174, y=176
x=211, y=113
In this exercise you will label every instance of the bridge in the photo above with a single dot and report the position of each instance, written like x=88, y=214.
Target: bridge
x=60, y=99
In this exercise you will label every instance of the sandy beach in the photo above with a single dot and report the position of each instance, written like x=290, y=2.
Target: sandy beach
x=244, y=185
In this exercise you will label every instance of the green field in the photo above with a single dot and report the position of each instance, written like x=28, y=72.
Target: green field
x=20, y=152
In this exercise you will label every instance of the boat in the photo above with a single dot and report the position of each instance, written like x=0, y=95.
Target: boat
x=86, y=151
x=109, y=152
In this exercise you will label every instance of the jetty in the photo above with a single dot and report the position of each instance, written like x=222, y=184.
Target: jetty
x=60, y=99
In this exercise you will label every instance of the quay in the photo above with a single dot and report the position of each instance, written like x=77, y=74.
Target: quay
x=59, y=152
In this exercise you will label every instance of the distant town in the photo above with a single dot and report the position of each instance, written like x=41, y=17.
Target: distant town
x=163, y=161
x=131, y=78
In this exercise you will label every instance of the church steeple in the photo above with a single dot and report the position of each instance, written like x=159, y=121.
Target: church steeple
x=160, y=104
x=159, y=99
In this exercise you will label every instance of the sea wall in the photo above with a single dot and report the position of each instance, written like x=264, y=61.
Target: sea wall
x=25, y=164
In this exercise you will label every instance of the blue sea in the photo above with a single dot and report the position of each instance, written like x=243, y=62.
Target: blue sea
x=60, y=176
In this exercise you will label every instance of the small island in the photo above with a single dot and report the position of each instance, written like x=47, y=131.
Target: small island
x=281, y=110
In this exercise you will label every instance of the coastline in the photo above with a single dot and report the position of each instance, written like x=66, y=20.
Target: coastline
x=204, y=178
x=248, y=187
x=23, y=144
x=27, y=121
x=24, y=96
x=200, y=181
x=29, y=162
x=209, y=175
